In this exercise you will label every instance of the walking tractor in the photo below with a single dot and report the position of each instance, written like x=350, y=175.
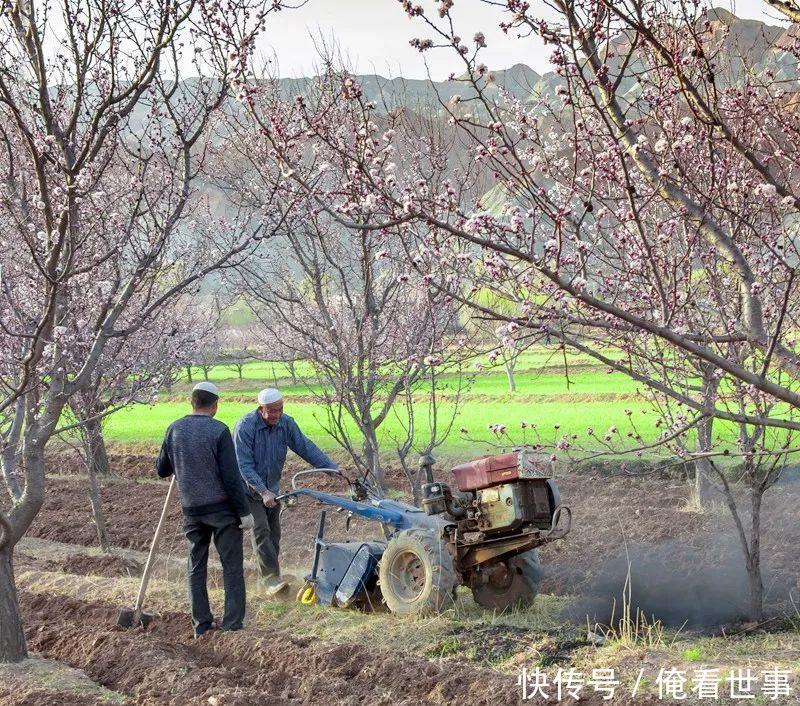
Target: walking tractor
x=484, y=535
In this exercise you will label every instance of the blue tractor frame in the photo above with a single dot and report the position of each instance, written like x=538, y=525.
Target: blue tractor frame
x=345, y=574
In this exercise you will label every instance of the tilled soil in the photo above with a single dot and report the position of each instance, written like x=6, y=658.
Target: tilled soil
x=100, y=565
x=132, y=510
x=613, y=517
x=128, y=461
x=26, y=695
x=164, y=664
x=82, y=564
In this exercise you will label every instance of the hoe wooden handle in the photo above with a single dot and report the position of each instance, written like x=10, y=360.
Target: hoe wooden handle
x=148, y=568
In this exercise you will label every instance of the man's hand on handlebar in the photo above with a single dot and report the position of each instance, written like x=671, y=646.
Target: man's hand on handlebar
x=358, y=490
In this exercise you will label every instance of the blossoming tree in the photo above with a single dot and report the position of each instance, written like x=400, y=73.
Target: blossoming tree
x=102, y=147
x=643, y=199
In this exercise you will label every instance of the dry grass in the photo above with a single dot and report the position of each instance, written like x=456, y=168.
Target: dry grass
x=633, y=631
x=402, y=634
x=693, y=503
x=467, y=633
x=35, y=674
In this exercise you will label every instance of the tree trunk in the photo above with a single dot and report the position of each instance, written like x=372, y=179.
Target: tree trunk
x=97, y=511
x=416, y=486
x=512, y=383
x=189, y=373
x=702, y=488
x=413, y=475
x=95, y=447
x=292, y=372
x=12, y=638
x=702, y=467
x=372, y=457
x=36, y=433
x=10, y=455
x=754, y=559
x=94, y=450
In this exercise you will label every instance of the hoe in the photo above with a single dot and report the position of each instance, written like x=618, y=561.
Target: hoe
x=484, y=536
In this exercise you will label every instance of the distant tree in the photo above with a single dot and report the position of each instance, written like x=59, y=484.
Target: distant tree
x=337, y=300
x=238, y=348
x=208, y=355
x=506, y=341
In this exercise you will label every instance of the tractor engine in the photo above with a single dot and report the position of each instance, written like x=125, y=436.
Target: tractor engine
x=508, y=494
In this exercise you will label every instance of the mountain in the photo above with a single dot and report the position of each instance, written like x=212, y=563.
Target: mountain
x=423, y=95
x=758, y=45
x=743, y=42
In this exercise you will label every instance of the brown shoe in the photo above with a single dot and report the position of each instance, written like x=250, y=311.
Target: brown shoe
x=273, y=585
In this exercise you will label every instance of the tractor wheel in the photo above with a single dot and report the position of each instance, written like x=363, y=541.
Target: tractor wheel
x=513, y=584
x=416, y=573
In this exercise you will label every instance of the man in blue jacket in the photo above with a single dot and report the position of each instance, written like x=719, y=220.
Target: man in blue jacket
x=262, y=438
x=198, y=449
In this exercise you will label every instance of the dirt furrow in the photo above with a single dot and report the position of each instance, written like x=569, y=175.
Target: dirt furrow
x=165, y=665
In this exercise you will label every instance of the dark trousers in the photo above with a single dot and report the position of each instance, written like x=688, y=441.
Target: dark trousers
x=224, y=528
x=267, y=535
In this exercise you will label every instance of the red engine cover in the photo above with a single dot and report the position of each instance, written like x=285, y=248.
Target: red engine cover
x=484, y=472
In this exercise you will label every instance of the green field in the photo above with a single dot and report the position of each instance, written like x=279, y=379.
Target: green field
x=265, y=371
x=588, y=397
x=147, y=423
x=484, y=384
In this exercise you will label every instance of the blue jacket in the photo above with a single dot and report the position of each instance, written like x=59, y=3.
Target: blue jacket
x=261, y=450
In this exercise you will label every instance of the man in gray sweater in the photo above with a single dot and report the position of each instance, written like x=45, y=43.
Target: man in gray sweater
x=199, y=450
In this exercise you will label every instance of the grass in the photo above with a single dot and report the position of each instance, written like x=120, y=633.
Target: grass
x=556, y=404
x=460, y=634
x=147, y=423
x=588, y=397
x=484, y=384
x=532, y=360
x=694, y=653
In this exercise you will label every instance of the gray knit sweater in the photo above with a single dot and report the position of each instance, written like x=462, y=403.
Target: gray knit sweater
x=198, y=449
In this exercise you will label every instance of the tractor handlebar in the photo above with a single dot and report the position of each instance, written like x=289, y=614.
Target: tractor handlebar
x=360, y=488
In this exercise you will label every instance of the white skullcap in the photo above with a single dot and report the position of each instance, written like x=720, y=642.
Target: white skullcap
x=269, y=395
x=207, y=387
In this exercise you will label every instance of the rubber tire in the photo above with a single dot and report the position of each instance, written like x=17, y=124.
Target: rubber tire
x=441, y=579
x=522, y=590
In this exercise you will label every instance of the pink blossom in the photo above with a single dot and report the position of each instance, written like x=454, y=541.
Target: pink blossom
x=768, y=191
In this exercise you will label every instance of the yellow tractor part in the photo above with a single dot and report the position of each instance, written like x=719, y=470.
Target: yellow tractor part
x=307, y=595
